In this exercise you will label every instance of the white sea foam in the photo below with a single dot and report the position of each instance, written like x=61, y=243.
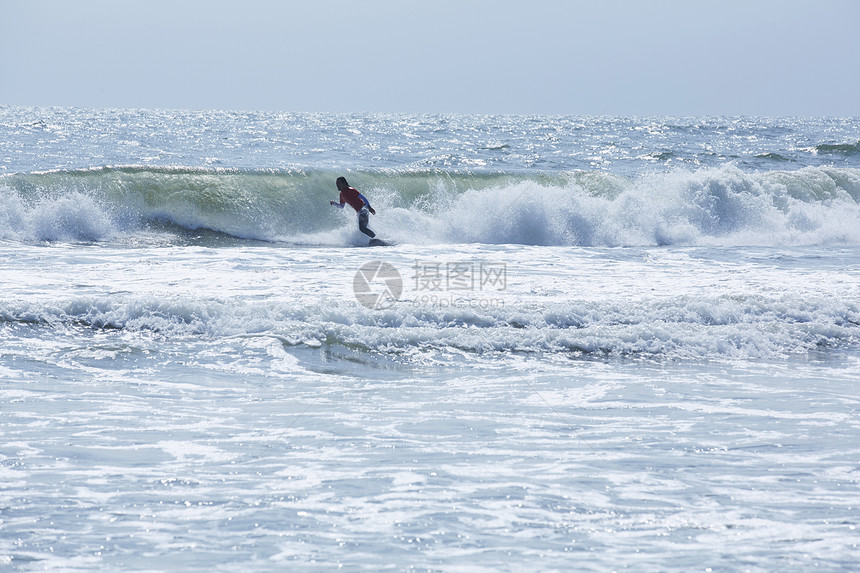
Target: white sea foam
x=733, y=326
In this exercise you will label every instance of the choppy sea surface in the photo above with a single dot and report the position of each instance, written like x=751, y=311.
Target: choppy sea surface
x=595, y=343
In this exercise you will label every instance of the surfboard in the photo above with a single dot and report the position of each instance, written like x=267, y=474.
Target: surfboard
x=376, y=242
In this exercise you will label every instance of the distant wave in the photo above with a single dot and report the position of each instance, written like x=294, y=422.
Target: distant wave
x=710, y=206
x=775, y=157
x=839, y=148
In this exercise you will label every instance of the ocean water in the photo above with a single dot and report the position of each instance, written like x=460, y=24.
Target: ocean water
x=596, y=343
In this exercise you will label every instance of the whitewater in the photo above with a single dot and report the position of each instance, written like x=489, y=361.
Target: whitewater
x=596, y=343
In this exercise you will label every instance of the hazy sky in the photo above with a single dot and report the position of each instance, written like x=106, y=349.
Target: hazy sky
x=595, y=57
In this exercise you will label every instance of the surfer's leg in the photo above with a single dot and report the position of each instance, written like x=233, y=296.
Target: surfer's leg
x=363, y=216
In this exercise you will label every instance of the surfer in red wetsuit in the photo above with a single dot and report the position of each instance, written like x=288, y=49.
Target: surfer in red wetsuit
x=358, y=202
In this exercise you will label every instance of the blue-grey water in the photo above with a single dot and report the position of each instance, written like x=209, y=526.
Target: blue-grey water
x=596, y=343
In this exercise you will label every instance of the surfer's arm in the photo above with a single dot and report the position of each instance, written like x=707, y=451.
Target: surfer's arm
x=367, y=203
x=336, y=204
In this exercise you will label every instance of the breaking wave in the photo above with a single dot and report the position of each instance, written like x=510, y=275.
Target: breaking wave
x=709, y=206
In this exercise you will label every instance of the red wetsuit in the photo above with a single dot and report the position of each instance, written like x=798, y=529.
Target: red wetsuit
x=354, y=198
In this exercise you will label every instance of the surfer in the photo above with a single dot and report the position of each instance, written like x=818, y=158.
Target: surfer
x=358, y=202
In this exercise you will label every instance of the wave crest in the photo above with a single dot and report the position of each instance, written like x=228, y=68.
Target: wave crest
x=813, y=205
